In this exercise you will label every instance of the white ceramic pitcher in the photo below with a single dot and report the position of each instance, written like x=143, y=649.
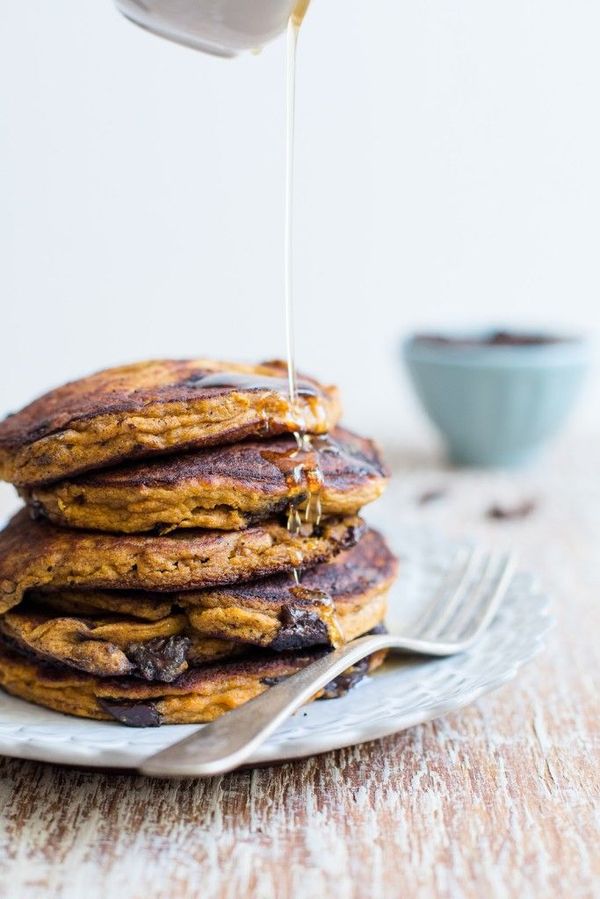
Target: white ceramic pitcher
x=221, y=27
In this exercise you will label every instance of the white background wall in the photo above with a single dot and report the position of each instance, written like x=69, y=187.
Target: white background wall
x=448, y=171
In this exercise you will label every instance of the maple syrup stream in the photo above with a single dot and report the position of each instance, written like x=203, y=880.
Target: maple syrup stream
x=301, y=464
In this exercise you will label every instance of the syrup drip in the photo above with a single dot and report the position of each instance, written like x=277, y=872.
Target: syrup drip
x=293, y=31
x=300, y=467
x=303, y=462
x=300, y=12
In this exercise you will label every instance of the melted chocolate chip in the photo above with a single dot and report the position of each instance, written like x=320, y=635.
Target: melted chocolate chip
x=352, y=535
x=133, y=714
x=162, y=659
x=300, y=629
x=340, y=685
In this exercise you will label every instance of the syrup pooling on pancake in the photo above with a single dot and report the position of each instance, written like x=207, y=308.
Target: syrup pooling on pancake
x=302, y=464
x=155, y=408
x=235, y=380
x=228, y=488
x=231, y=380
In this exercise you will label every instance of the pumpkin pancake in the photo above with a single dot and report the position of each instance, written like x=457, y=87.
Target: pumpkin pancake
x=37, y=554
x=227, y=487
x=154, y=407
x=336, y=602
x=276, y=613
x=138, y=604
x=196, y=696
x=112, y=646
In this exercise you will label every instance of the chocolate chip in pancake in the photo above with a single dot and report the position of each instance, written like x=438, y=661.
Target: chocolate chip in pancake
x=336, y=602
x=113, y=646
x=198, y=695
x=356, y=582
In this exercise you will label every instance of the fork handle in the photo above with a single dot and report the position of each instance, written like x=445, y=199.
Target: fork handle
x=229, y=741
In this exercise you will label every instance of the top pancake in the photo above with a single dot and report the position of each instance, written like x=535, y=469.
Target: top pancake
x=155, y=407
x=227, y=488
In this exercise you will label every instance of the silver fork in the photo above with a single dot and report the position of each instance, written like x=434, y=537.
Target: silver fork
x=457, y=614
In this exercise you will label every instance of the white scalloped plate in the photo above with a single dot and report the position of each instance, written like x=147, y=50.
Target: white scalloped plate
x=405, y=692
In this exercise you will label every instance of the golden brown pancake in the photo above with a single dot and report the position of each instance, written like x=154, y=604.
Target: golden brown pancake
x=112, y=646
x=138, y=604
x=155, y=407
x=336, y=602
x=37, y=554
x=227, y=487
x=198, y=695
x=275, y=613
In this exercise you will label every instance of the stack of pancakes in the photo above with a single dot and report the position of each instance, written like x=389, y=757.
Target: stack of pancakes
x=182, y=547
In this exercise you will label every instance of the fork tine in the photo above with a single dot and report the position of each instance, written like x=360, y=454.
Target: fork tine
x=486, y=608
x=448, y=594
x=454, y=574
x=482, y=602
x=471, y=599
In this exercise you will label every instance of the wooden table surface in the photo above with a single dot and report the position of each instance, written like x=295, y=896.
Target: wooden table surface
x=501, y=799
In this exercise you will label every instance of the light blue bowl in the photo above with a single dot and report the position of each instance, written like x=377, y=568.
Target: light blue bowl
x=496, y=405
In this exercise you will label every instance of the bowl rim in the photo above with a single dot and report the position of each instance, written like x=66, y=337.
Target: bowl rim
x=568, y=350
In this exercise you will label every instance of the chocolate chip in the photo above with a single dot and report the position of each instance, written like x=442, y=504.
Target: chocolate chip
x=352, y=535
x=431, y=496
x=36, y=510
x=344, y=682
x=273, y=681
x=300, y=629
x=162, y=659
x=133, y=714
x=512, y=513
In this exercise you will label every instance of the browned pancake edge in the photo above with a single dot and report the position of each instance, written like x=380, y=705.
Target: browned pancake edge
x=155, y=407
